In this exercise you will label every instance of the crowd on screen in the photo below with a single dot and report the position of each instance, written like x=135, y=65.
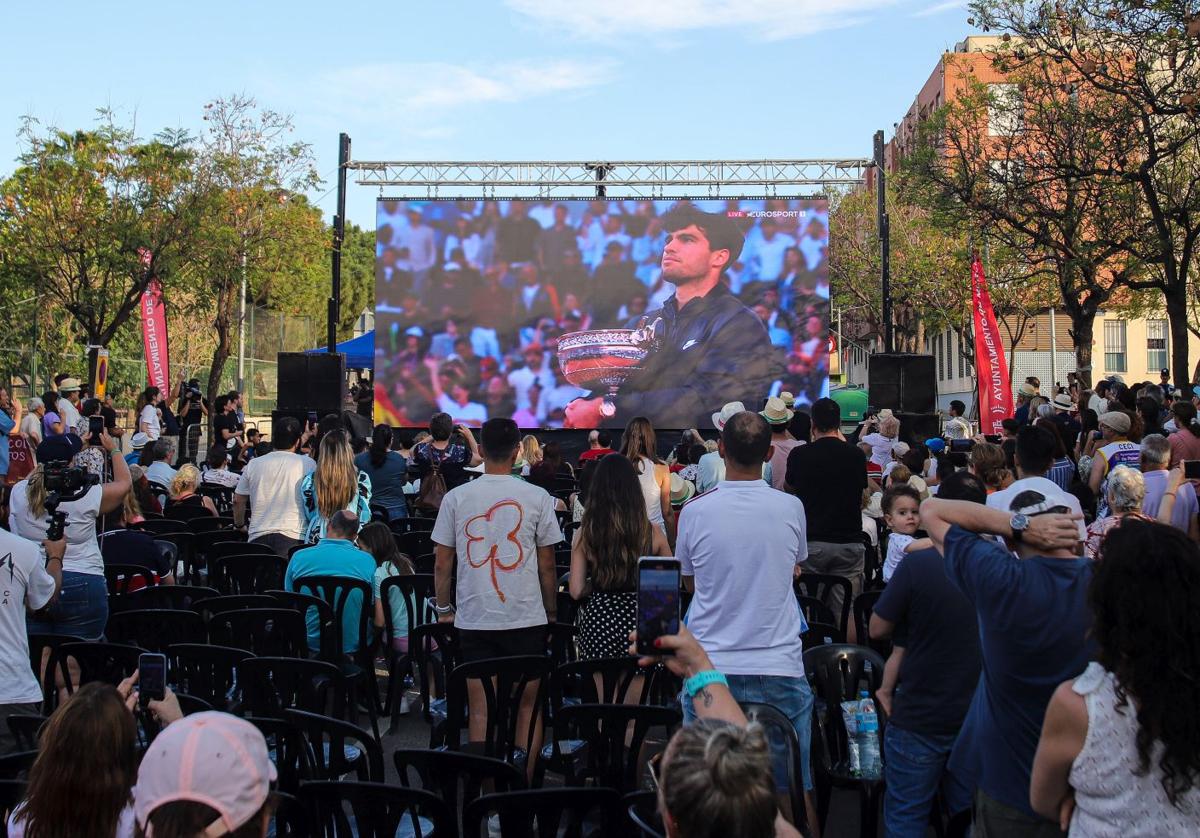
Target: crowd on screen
x=1029, y=605
x=472, y=297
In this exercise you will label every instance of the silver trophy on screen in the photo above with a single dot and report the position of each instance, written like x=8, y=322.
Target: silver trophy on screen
x=604, y=359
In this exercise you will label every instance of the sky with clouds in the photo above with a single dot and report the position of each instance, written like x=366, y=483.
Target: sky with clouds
x=495, y=80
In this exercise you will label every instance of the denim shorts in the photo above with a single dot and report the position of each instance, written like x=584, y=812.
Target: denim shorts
x=80, y=611
x=791, y=696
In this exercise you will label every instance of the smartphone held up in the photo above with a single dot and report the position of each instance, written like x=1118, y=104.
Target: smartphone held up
x=657, y=602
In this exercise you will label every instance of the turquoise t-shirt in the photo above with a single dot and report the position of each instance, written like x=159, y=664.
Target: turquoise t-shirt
x=333, y=557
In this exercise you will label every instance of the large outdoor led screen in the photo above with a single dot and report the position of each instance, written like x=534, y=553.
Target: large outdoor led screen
x=586, y=313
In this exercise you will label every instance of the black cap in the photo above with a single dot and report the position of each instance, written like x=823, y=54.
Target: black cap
x=58, y=447
x=1164, y=371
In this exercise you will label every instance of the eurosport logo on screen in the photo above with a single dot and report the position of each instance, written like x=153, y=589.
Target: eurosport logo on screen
x=524, y=309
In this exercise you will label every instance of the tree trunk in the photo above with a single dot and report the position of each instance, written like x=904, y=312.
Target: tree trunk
x=1177, y=316
x=1083, y=321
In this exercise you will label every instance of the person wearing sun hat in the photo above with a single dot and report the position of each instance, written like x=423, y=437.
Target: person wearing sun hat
x=1026, y=393
x=68, y=403
x=778, y=414
x=681, y=491
x=138, y=441
x=1116, y=450
x=789, y=401
x=208, y=774
x=711, y=468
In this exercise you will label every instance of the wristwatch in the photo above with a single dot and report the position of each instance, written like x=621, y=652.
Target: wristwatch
x=1019, y=522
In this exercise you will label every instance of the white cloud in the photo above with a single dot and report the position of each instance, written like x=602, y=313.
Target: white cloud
x=938, y=8
x=765, y=19
x=428, y=91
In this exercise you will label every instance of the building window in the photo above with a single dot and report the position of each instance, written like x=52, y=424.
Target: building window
x=1156, y=345
x=937, y=350
x=1114, y=346
x=962, y=357
x=1005, y=110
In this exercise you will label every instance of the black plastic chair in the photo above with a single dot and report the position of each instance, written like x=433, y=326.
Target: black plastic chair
x=237, y=545
x=576, y=682
x=504, y=681
x=277, y=632
x=40, y=648
x=822, y=586
x=358, y=666
x=108, y=662
x=155, y=628
x=572, y=813
x=785, y=754
x=185, y=548
x=207, y=672
x=425, y=564
x=338, y=747
x=304, y=604
x=455, y=777
x=246, y=574
x=435, y=651
x=190, y=704
x=205, y=542
x=417, y=524
x=221, y=496
x=272, y=685
x=121, y=577
x=185, y=514
x=179, y=597
x=291, y=817
x=864, y=607
x=374, y=810
x=601, y=744
x=16, y=765
x=414, y=542
x=641, y=807
x=209, y=523
x=288, y=749
x=819, y=634
x=415, y=590
x=233, y=602
x=25, y=730
x=160, y=526
x=838, y=672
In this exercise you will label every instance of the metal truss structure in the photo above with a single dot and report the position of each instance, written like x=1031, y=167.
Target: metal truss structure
x=614, y=179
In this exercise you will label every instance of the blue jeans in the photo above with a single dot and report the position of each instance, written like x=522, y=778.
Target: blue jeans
x=914, y=765
x=791, y=696
x=81, y=609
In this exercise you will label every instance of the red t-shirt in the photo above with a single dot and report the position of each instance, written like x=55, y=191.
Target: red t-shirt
x=594, y=453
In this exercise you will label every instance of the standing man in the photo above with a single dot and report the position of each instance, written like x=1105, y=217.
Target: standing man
x=31, y=422
x=1156, y=457
x=68, y=404
x=599, y=445
x=829, y=475
x=32, y=579
x=778, y=415
x=1031, y=600
x=740, y=547
x=956, y=426
x=271, y=484
x=712, y=349
x=417, y=239
x=499, y=532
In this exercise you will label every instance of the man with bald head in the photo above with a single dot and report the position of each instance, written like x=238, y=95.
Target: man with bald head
x=740, y=546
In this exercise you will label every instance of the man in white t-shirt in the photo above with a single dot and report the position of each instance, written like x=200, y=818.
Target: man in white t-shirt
x=271, y=484
x=1034, y=456
x=501, y=532
x=30, y=577
x=956, y=426
x=740, y=547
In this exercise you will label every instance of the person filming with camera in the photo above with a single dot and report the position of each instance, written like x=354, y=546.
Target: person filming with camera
x=74, y=500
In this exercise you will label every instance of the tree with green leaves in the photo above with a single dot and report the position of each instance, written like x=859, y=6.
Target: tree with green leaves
x=81, y=209
x=1134, y=69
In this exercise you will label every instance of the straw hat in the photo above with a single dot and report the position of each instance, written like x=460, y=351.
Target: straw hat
x=681, y=490
x=730, y=410
x=776, y=412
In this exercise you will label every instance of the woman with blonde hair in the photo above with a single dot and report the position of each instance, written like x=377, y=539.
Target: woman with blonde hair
x=337, y=484
x=639, y=444
x=184, y=504
x=531, y=454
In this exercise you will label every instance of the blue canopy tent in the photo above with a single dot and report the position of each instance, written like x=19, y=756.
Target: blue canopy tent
x=359, y=351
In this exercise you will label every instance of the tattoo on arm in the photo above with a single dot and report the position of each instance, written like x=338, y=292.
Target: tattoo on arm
x=707, y=697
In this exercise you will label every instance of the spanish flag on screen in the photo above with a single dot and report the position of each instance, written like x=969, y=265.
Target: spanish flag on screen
x=386, y=413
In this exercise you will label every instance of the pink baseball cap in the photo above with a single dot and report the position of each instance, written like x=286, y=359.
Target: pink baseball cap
x=211, y=758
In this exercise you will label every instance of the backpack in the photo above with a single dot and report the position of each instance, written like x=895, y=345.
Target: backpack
x=433, y=485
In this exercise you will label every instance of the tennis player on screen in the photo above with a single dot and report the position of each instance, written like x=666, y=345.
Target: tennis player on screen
x=713, y=349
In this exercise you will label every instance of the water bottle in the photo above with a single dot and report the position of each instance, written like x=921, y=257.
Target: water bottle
x=868, y=738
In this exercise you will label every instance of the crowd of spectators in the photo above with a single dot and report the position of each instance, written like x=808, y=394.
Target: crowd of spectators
x=472, y=297
x=1038, y=594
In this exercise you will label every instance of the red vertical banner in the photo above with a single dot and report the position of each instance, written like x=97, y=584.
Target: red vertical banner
x=991, y=367
x=154, y=330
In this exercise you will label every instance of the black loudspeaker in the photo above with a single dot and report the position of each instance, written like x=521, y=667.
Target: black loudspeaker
x=360, y=427
x=326, y=382
x=311, y=382
x=903, y=382
x=918, y=427
x=293, y=381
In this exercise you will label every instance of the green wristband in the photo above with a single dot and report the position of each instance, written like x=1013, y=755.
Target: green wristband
x=701, y=680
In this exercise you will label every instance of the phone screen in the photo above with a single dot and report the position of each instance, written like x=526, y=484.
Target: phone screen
x=1191, y=469
x=658, y=602
x=152, y=677
x=95, y=428
x=961, y=446
x=312, y=417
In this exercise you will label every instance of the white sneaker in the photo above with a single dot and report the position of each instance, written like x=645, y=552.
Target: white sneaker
x=494, y=827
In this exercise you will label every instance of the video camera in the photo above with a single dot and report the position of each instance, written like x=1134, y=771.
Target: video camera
x=64, y=484
x=191, y=390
